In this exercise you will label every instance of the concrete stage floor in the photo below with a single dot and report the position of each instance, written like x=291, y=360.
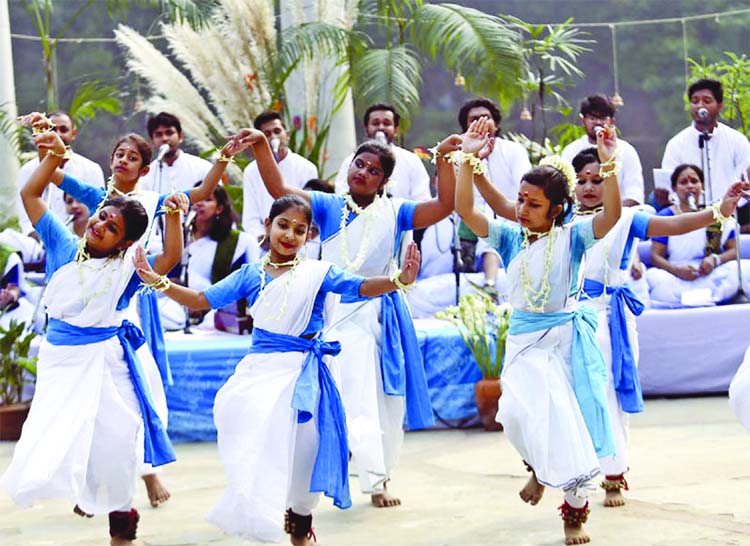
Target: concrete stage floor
x=690, y=485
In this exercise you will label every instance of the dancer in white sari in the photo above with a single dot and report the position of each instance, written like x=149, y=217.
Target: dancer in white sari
x=553, y=407
x=143, y=310
x=606, y=289
x=280, y=419
x=92, y=420
x=362, y=232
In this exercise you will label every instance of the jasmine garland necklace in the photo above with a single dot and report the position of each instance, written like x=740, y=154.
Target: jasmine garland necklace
x=266, y=261
x=368, y=215
x=536, y=300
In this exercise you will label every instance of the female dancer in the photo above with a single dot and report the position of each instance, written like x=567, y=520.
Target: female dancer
x=92, y=420
x=553, y=407
x=129, y=162
x=280, y=420
x=605, y=288
x=362, y=232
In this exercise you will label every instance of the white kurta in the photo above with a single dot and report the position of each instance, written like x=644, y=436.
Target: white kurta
x=256, y=201
x=83, y=439
x=183, y=174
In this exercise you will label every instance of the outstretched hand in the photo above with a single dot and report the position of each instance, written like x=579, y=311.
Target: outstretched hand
x=233, y=146
x=606, y=142
x=247, y=137
x=476, y=136
x=49, y=141
x=449, y=144
x=37, y=121
x=412, y=260
x=142, y=267
x=735, y=192
x=177, y=200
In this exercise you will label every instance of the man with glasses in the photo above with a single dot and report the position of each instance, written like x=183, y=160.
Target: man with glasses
x=598, y=111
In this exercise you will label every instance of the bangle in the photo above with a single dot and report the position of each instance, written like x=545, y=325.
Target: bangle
x=717, y=260
x=611, y=167
x=458, y=157
x=225, y=158
x=61, y=155
x=718, y=215
x=436, y=154
x=401, y=286
x=169, y=210
x=161, y=284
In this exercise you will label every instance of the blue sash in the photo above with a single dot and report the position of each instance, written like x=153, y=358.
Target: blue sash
x=331, y=472
x=401, y=362
x=152, y=329
x=157, y=449
x=589, y=373
x=624, y=373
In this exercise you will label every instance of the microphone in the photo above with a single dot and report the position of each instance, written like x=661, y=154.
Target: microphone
x=163, y=149
x=703, y=113
x=190, y=218
x=691, y=202
x=380, y=137
x=275, y=145
x=598, y=130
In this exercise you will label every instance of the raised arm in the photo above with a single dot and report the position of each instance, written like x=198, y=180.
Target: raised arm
x=375, y=286
x=665, y=226
x=183, y=295
x=432, y=211
x=173, y=234
x=499, y=203
x=31, y=194
x=605, y=220
x=472, y=142
x=209, y=183
x=267, y=166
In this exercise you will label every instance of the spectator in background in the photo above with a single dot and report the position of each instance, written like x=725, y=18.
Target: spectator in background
x=296, y=170
x=506, y=163
x=409, y=179
x=215, y=249
x=178, y=170
x=77, y=215
x=313, y=249
x=77, y=166
x=597, y=111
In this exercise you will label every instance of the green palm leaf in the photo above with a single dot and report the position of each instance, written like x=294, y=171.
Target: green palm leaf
x=480, y=46
x=388, y=75
x=91, y=98
x=195, y=12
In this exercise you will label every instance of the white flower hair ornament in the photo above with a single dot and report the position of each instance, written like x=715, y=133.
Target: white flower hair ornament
x=565, y=167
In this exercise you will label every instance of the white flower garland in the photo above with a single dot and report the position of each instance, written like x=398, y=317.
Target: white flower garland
x=368, y=214
x=266, y=261
x=536, y=300
x=565, y=167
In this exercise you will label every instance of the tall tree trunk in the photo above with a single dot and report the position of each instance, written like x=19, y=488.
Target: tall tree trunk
x=8, y=159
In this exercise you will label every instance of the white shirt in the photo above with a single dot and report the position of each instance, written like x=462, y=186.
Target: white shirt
x=181, y=175
x=631, y=176
x=256, y=201
x=506, y=165
x=78, y=167
x=408, y=181
x=729, y=155
x=201, y=254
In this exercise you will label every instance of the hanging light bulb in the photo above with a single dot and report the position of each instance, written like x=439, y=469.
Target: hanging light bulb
x=525, y=114
x=460, y=81
x=617, y=100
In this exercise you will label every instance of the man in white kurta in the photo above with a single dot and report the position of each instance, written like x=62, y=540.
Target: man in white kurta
x=409, y=179
x=728, y=149
x=77, y=166
x=295, y=169
x=598, y=111
x=178, y=170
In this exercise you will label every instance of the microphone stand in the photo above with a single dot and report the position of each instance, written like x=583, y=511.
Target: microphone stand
x=740, y=296
x=703, y=139
x=185, y=262
x=456, y=250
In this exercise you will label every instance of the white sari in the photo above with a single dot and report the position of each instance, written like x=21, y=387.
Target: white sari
x=268, y=456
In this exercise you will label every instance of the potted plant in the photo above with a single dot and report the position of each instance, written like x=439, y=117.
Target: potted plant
x=483, y=326
x=16, y=369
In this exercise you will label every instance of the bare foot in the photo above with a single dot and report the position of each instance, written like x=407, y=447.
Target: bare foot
x=117, y=541
x=77, y=510
x=157, y=493
x=575, y=534
x=385, y=499
x=304, y=541
x=614, y=498
x=532, y=492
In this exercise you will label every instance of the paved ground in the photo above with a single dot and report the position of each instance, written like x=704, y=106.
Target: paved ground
x=690, y=483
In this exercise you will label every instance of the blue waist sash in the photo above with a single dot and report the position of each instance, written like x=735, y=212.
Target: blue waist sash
x=401, y=362
x=624, y=372
x=152, y=329
x=157, y=447
x=589, y=373
x=331, y=471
